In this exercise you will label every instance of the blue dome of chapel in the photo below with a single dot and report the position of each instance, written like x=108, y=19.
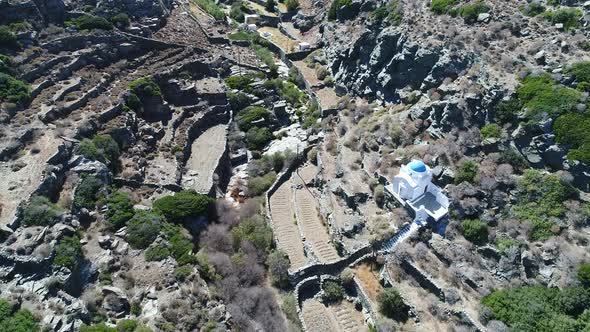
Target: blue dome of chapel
x=417, y=166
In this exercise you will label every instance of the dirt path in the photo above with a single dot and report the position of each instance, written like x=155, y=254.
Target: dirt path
x=285, y=228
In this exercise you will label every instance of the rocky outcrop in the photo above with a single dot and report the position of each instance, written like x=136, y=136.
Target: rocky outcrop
x=53, y=11
x=382, y=61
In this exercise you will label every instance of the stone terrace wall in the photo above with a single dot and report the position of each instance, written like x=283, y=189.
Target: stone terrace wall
x=423, y=279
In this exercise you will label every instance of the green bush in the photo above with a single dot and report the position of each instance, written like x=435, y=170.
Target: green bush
x=133, y=102
x=289, y=307
x=584, y=274
x=270, y=5
x=505, y=242
x=119, y=210
x=101, y=147
x=250, y=114
x=102, y=327
x=538, y=308
x=334, y=6
x=270, y=162
x=183, y=272
x=259, y=185
x=475, y=230
x=240, y=35
x=541, y=94
x=206, y=269
x=6, y=65
x=292, y=5
x=181, y=246
x=391, y=304
x=19, y=321
x=238, y=101
x=13, y=90
x=441, y=7
x=143, y=229
x=241, y=82
x=278, y=268
x=533, y=9
x=513, y=157
x=580, y=70
x=333, y=291
x=264, y=54
x=90, y=22
x=40, y=211
x=257, y=138
x=286, y=90
x=212, y=8
x=7, y=38
x=466, y=172
x=68, y=252
x=156, y=252
x=572, y=129
x=311, y=115
x=390, y=12
x=183, y=205
x=506, y=111
x=472, y=11
x=236, y=12
x=254, y=230
x=121, y=20
x=135, y=308
x=145, y=87
x=312, y=155
x=321, y=72
x=569, y=17
x=105, y=278
x=541, y=197
x=88, y=192
x=491, y=130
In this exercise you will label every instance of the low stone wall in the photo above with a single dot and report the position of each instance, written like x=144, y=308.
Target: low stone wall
x=51, y=181
x=364, y=299
x=216, y=115
x=304, y=283
x=328, y=268
x=31, y=75
x=464, y=316
x=298, y=56
x=269, y=21
x=423, y=279
x=412, y=310
x=7, y=152
x=121, y=182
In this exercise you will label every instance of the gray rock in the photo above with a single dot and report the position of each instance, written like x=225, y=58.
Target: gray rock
x=540, y=58
x=554, y=156
x=484, y=17
x=104, y=241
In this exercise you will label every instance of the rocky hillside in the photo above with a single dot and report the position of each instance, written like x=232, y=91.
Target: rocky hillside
x=166, y=168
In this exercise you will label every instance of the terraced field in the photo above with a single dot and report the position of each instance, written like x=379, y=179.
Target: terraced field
x=79, y=94
x=285, y=228
x=206, y=151
x=348, y=318
x=312, y=226
x=317, y=318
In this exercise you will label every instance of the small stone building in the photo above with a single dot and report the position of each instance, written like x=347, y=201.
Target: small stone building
x=413, y=188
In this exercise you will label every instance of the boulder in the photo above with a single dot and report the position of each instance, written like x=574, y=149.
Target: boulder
x=484, y=17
